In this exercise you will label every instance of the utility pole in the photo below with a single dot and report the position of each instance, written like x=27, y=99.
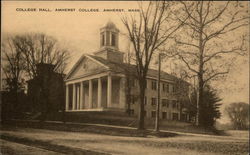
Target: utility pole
x=159, y=95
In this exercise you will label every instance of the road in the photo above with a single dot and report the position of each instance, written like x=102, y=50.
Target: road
x=12, y=148
x=90, y=143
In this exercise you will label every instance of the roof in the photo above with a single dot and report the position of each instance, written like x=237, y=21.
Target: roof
x=131, y=69
x=110, y=25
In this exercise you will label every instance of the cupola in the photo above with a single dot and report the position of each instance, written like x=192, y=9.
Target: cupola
x=109, y=36
x=109, y=43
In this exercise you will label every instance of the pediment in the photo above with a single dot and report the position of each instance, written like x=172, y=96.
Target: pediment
x=85, y=66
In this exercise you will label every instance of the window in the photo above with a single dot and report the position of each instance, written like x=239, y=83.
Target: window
x=133, y=82
x=170, y=88
x=174, y=104
x=175, y=116
x=164, y=102
x=154, y=85
x=113, y=40
x=153, y=114
x=153, y=101
x=102, y=40
x=184, y=117
x=163, y=87
x=167, y=87
x=145, y=113
x=108, y=38
x=164, y=115
x=133, y=99
x=146, y=86
x=132, y=112
x=145, y=100
x=177, y=105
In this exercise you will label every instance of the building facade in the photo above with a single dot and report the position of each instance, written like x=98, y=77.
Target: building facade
x=99, y=82
x=46, y=90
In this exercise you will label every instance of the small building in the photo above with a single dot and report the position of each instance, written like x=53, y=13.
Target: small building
x=46, y=90
x=99, y=82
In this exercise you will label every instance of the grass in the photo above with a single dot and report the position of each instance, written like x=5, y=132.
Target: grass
x=122, y=119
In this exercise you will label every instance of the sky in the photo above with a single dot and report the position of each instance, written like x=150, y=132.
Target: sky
x=79, y=32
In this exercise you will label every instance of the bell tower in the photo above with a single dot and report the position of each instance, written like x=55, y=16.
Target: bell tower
x=109, y=36
x=109, y=43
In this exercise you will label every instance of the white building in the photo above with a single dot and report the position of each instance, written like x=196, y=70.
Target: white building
x=98, y=82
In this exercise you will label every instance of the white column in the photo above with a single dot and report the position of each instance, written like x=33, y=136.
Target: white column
x=99, y=104
x=90, y=94
x=81, y=95
x=74, y=97
x=109, y=91
x=67, y=98
x=77, y=97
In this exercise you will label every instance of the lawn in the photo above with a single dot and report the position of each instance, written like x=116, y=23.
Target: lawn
x=122, y=119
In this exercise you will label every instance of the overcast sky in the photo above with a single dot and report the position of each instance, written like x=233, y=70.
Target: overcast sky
x=79, y=31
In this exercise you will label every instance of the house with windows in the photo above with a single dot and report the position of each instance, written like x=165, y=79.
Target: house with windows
x=99, y=82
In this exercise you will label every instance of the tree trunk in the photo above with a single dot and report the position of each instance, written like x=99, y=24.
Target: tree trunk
x=197, y=108
x=180, y=108
x=128, y=101
x=157, y=121
x=200, y=73
x=199, y=98
x=142, y=82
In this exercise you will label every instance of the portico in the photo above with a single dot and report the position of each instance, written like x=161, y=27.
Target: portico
x=95, y=93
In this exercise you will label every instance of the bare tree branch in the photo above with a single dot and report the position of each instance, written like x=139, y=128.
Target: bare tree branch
x=214, y=75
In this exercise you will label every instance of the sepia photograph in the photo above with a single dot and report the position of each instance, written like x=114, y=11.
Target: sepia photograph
x=124, y=77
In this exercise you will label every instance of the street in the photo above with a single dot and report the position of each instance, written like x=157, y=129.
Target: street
x=54, y=142
x=10, y=148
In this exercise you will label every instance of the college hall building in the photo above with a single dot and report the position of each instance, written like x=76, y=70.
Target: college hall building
x=98, y=83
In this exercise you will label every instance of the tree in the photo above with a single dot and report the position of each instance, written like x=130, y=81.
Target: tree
x=182, y=90
x=129, y=77
x=13, y=70
x=238, y=113
x=209, y=109
x=205, y=43
x=25, y=53
x=148, y=31
x=40, y=48
x=12, y=66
